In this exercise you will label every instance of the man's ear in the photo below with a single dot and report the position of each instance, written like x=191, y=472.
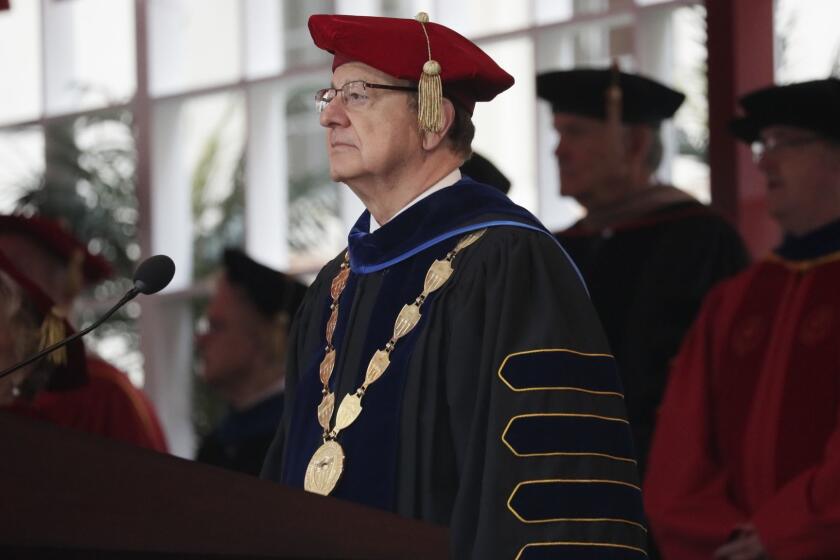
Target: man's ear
x=432, y=140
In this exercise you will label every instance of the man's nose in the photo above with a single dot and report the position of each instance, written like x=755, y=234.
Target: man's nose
x=334, y=114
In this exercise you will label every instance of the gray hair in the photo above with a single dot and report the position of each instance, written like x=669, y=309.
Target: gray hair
x=462, y=131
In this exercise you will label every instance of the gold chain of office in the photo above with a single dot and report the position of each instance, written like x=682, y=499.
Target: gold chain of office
x=327, y=463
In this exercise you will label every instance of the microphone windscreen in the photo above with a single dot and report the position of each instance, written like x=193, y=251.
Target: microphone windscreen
x=154, y=274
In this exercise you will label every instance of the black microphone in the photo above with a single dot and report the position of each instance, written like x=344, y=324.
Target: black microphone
x=153, y=275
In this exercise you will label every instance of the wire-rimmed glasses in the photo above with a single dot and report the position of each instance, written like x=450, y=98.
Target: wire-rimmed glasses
x=770, y=144
x=353, y=94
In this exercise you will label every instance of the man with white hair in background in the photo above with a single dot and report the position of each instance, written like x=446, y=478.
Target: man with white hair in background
x=649, y=252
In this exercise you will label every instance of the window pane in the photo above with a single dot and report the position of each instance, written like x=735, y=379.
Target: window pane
x=807, y=42
x=89, y=53
x=214, y=133
x=582, y=7
x=593, y=43
x=481, y=17
x=298, y=43
x=88, y=184
x=551, y=11
x=690, y=162
x=502, y=135
x=263, y=34
x=20, y=62
x=193, y=43
x=385, y=8
x=21, y=164
x=197, y=182
x=316, y=231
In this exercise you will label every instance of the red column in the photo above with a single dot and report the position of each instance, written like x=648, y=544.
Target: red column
x=740, y=59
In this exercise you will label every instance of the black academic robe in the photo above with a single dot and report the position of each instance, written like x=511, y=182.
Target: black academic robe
x=501, y=414
x=647, y=279
x=241, y=440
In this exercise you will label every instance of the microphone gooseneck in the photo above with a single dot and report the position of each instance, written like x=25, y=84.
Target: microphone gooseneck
x=153, y=275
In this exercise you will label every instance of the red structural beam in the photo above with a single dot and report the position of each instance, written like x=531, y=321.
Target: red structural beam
x=740, y=51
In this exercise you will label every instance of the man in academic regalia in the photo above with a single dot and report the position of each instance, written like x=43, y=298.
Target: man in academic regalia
x=746, y=459
x=648, y=252
x=449, y=366
x=243, y=356
x=107, y=404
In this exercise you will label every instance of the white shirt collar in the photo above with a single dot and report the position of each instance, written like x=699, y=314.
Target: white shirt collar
x=447, y=181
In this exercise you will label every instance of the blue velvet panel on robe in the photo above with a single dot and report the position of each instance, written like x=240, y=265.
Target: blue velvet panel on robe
x=539, y=370
x=566, y=434
x=585, y=500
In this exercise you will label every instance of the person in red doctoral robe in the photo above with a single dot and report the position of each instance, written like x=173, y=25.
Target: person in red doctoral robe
x=746, y=457
x=107, y=403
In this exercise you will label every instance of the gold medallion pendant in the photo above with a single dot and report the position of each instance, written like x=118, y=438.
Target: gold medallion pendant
x=327, y=463
x=325, y=468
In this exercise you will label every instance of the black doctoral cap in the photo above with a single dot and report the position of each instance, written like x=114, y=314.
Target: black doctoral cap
x=271, y=291
x=482, y=170
x=583, y=91
x=811, y=105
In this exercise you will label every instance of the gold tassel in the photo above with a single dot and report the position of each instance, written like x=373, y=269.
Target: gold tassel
x=613, y=110
x=431, y=98
x=52, y=330
x=430, y=88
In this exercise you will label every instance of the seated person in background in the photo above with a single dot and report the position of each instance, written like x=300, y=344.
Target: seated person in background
x=61, y=266
x=244, y=355
x=648, y=252
x=29, y=322
x=745, y=462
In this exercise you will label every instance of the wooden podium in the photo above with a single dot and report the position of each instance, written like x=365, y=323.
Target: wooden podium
x=65, y=494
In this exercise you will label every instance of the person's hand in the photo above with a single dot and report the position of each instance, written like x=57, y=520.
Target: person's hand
x=744, y=545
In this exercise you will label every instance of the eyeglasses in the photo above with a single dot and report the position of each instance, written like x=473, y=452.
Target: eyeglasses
x=353, y=94
x=763, y=146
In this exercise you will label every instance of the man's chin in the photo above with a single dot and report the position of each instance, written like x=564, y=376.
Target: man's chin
x=341, y=173
x=338, y=177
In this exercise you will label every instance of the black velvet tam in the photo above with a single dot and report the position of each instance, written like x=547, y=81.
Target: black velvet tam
x=811, y=105
x=270, y=291
x=583, y=91
x=482, y=170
